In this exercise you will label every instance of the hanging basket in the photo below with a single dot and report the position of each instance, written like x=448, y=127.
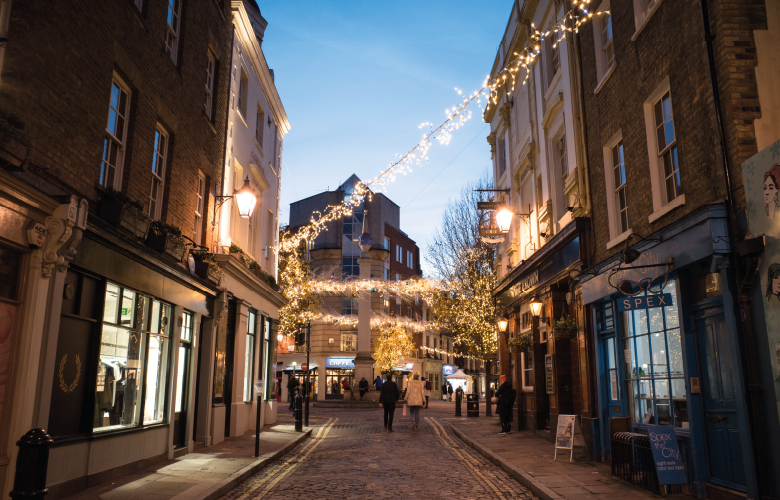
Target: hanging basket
x=521, y=343
x=565, y=328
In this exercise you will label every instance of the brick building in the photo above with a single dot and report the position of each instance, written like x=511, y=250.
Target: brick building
x=677, y=95
x=100, y=141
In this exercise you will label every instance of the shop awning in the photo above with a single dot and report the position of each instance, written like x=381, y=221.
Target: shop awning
x=459, y=375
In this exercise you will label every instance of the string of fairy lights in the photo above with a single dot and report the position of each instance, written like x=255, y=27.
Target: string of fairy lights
x=518, y=68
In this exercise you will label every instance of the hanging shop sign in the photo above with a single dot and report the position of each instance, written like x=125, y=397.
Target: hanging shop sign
x=490, y=205
x=348, y=363
x=448, y=369
x=645, y=302
x=666, y=454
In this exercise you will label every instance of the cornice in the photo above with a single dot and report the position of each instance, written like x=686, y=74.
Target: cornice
x=238, y=271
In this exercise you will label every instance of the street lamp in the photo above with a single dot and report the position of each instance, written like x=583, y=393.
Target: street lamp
x=504, y=219
x=279, y=337
x=503, y=323
x=536, y=306
x=245, y=199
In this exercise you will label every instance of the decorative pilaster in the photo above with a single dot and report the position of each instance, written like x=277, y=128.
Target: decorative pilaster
x=492, y=141
x=506, y=113
x=66, y=225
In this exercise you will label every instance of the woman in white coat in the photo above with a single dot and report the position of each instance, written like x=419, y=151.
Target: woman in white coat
x=415, y=398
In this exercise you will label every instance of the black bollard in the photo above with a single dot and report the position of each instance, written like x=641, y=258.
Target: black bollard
x=32, y=463
x=457, y=404
x=298, y=410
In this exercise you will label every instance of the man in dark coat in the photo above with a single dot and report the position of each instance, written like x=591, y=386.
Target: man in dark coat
x=363, y=386
x=387, y=399
x=449, y=390
x=506, y=401
x=291, y=386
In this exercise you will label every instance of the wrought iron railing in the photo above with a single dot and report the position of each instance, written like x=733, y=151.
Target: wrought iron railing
x=632, y=461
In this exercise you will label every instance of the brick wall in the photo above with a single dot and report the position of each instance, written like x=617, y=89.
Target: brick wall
x=672, y=43
x=57, y=77
x=407, y=244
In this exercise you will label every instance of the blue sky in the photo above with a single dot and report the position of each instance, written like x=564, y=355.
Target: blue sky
x=357, y=78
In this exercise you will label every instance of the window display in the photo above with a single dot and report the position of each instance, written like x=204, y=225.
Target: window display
x=654, y=372
x=134, y=349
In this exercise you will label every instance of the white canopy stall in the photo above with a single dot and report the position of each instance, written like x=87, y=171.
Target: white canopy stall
x=460, y=379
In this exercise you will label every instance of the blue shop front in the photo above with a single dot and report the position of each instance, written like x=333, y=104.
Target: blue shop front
x=667, y=351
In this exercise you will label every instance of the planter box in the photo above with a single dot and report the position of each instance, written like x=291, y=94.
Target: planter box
x=135, y=222
x=111, y=211
x=163, y=243
x=205, y=271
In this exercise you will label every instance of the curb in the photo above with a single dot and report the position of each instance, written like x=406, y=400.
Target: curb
x=223, y=487
x=536, y=487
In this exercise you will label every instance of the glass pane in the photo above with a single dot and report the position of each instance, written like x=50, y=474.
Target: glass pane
x=640, y=322
x=628, y=324
x=165, y=320
x=662, y=402
x=668, y=168
x=634, y=401
x=643, y=357
x=667, y=105
x=117, y=391
x=659, y=354
x=128, y=308
x=155, y=319
x=659, y=132
x=156, y=379
x=180, y=377
x=610, y=347
x=629, y=358
x=669, y=131
x=186, y=331
x=656, y=317
x=675, y=352
x=110, y=310
x=646, y=401
x=659, y=114
x=249, y=367
x=615, y=156
x=679, y=403
x=251, y=320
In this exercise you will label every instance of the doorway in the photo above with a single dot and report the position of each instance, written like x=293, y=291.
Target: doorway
x=229, y=354
x=724, y=451
x=183, y=382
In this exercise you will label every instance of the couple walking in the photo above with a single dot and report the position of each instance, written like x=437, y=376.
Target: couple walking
x=415, y=399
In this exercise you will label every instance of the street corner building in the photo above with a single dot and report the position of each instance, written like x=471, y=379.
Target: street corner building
x=640, y=163
x=139, y=201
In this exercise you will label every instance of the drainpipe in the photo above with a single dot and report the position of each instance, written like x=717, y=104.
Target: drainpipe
x=743, y=301
x=227, y=129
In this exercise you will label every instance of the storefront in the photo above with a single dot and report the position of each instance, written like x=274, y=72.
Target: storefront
x=667, y=352
x=340, y=375
x=551, y=378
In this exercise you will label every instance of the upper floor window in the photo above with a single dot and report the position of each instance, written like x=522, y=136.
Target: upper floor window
x=619, y=175
x=642, y=11
x=667, y=147
x=385, y=272
x=200, y=194
x=243, y=90
x=562, y=157
x=348, y=341
x=173, y=27
x=210, y=66
x=398, y=253
x=603, y=43
x=409, y=259
x=114, y=144
x=501, y=157
x=158, y=172
x=387, y=243
x=349, y=307
x=606, y=39
x=259, y=126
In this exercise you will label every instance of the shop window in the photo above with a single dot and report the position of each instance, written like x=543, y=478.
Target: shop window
x=653, y=361
x=9, y=273
x=134, y=350
x=708, y=286
x=269, y=333
x=185, y=347
x=349, y=341
x=249, y=358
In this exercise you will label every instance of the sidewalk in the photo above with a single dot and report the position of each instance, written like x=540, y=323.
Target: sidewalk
x=529, y=459
x=206, y=474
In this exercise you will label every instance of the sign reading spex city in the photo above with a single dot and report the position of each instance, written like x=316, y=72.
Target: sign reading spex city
x=647, y=302
x=490, y=205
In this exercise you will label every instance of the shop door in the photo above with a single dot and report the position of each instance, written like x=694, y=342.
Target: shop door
x=724, y=451
x=182, y=401
x=231, y=340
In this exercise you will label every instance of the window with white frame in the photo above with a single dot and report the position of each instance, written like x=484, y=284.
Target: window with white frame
x=619, y=180
x=602, y=41
x=501, y=157
x=208, y=103
x=642, y=10
x=409, y=259
x=348, y=341
x=349, y=307
x=200, y=194
x=243, y=90
x=527, y=367
x=249, y=356
x=114, y=144
x=159, y=158
x=398, y=253
x=271, y=234
x=666, y=142
x=259, y=126
x=562, y=157
x=606, y=39
x=173, y=26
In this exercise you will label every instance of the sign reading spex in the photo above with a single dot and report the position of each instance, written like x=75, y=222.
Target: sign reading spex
x=647, y=302
x=666, y=454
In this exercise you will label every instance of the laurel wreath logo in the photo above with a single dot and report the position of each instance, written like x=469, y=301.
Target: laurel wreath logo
x=65, y=387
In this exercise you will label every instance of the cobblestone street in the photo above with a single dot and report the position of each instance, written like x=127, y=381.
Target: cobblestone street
x=350, y=455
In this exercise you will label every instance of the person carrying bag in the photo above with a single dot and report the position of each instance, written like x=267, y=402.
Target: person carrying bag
x=415, y=399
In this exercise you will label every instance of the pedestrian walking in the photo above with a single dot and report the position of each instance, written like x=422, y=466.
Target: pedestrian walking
x=378, y=382
x=506, y=402
x=426, y=390
x=292, y=384
x=415, y=399
x=363, y=387
x=444, y=391
x=449, y=390
x=388, y=396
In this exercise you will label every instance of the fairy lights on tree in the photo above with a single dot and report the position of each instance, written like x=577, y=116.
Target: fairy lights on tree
x=394, y=342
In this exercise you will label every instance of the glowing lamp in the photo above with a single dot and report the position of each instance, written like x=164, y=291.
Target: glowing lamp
x=246, y=200
x=536, y=306
x=503, y=324
x=279, y=337
x=291, y=348
x=504, y=219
